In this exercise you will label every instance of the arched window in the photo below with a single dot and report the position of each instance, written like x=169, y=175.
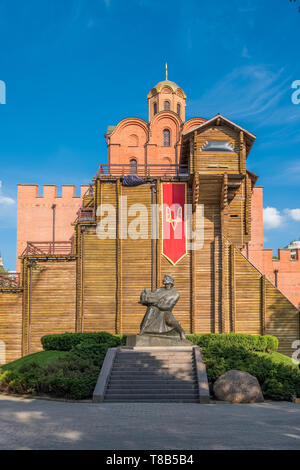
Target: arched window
x=133, y=166
x=167, y=105
x=178, y=109
x=167, y=138
x=155, y=108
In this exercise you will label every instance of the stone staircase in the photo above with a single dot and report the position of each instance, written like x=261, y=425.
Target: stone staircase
x=162, y=375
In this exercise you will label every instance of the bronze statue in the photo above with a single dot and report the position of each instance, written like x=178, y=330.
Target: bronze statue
x=160, y=302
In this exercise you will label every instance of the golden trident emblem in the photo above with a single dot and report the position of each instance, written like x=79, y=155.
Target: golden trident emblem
x=177, y=219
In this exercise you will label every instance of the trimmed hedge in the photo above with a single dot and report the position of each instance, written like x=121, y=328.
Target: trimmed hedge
x=249, y=342
x=67, y=341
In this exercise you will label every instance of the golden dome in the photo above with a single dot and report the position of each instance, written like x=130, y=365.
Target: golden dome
x=174, y=87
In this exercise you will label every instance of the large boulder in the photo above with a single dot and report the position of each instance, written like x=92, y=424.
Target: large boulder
x=236, y=386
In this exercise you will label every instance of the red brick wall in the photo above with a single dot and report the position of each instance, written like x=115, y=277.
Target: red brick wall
x=34, y=221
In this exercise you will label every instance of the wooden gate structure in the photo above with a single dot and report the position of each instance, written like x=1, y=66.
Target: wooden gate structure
x=95, y=284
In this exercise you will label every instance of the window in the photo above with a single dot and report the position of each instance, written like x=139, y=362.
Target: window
x=155, y=108
x=178, y=109
x=133, y=166
x=167, y=105
x=166, y=138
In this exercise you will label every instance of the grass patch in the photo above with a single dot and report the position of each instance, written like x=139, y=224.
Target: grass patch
x=41, y=358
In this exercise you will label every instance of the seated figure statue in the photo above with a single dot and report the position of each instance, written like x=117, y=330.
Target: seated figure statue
x=160, y=302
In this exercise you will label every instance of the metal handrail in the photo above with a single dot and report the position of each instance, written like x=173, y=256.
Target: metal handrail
x=48, y=248
x=10, y=280
x=124, y=169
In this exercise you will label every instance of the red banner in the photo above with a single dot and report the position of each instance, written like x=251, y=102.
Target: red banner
x=173, y=216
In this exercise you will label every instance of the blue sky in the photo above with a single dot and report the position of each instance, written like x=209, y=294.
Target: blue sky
x=73, y=67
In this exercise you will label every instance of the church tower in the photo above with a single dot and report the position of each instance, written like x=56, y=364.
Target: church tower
x=166, y=96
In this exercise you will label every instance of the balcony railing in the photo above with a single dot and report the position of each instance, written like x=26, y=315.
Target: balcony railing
x=9, y=280
x=142, y=170
x=49, y=248
x=85, y=214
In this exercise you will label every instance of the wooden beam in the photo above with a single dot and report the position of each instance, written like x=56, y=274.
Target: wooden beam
x=232, y=288
x=263, y=304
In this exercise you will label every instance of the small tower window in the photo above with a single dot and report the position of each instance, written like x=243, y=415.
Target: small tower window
x=167, y=105
x=133, y=166
x=178, y=109
x=166, y=138
x=155, y=108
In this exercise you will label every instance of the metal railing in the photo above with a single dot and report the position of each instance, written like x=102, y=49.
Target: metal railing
x=9, y=280
x=142, y=170
x=49, y=248
x=85, y=214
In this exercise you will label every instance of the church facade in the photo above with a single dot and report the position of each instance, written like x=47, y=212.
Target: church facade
x=81, y=273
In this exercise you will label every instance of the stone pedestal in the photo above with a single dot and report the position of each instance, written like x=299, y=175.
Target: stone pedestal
x=149, y=340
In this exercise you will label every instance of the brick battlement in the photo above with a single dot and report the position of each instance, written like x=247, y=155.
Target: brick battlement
x=284, y=257
x=35, y=214
x=50, y=191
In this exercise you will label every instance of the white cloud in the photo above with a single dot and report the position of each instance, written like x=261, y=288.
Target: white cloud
x=293, y=214
x=5, y=200
x=254, y=92
x=272, y=218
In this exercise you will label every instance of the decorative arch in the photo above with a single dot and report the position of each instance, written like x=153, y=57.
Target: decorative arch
x=130, y=121
x=171, y=116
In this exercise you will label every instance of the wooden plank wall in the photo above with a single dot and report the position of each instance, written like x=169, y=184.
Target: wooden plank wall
x=217, y=162
x=247, y=296
x=52, y=301
x=136, y=260
x=282, y=319
x=260, y=308
x=100, y=312
x=237, y=217
x=11, y=323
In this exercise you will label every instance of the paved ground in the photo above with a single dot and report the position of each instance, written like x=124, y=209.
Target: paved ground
x=41, y=424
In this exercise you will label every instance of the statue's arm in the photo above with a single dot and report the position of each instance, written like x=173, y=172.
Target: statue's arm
x=148, y=298
x=168, y=302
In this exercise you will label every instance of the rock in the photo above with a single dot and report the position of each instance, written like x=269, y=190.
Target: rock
x=236, y=386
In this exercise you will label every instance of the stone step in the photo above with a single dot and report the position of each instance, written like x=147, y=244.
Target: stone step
x=151, y=400
x=154, y=361
x=134, y=374
x=149, y=382
x=152, y=356
x=154, y=367
x=155, y=389
x=158, y=394
x=153, y=364
x=128, y=356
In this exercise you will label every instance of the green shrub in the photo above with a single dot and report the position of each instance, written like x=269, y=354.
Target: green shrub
x=66, y=341
x=249, y=342
x=74, y=375
x=278, y=381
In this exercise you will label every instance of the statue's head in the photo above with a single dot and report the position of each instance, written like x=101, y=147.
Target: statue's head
x=168, y=281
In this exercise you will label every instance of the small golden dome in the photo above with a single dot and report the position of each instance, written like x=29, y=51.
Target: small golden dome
x=174, y=87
